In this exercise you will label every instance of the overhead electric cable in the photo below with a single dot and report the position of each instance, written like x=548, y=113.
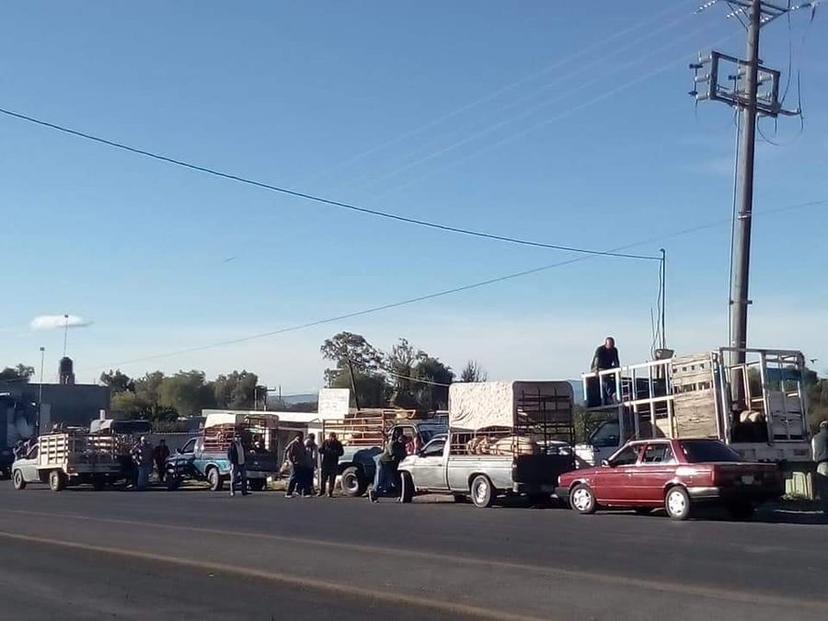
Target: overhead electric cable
x=445, y=292
x=312, y=197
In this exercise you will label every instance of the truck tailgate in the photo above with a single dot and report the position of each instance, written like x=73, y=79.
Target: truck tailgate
x=541, y=469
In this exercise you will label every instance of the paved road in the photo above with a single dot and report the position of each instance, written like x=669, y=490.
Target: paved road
x=81, y=555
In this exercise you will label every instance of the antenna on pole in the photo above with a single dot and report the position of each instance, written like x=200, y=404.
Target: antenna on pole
x=663, y=310
x=65, y=333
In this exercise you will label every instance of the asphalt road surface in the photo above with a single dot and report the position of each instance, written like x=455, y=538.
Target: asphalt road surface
x=80, y=554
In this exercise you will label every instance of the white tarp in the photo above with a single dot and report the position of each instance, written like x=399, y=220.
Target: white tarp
x=478, y=405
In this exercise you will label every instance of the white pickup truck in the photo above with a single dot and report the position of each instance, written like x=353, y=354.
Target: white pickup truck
x=68, y=458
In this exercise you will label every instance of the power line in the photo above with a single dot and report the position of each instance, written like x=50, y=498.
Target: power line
x=445, y=292
x=312, y=197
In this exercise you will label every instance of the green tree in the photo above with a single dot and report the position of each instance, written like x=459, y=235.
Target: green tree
x=399, y=364
x=186, y=392
x=117, y=381
x=347, y=351
x=431, y=393
x=236, y=390
x=19, y=373
x=473, y=372
x=372, y=389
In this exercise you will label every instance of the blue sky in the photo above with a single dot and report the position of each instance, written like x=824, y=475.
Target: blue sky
x=526, y=119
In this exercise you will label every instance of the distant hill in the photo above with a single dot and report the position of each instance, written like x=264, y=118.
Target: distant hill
x=310, y=397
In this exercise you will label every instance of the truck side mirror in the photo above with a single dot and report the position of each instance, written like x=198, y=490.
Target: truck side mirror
x=605, y=463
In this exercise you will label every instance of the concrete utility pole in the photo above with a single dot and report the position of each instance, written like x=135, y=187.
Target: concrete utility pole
x=754, y=90
x=741, y=245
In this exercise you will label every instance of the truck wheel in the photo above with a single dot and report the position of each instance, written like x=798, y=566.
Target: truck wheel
x=57, y=480
x=582, y=499
x=677, y=503
x=407, y=494
x=740, y=510
x=352, y=481
x=256, y=485
x=482, y=494
x=173, y=482
x=18, y=481
x=215, y=480
x=98, y=483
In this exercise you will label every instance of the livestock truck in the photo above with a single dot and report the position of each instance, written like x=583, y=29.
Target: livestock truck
x=758, y=407
x=504, y=439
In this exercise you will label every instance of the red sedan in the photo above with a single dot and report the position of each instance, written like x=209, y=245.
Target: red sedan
x=674, y=474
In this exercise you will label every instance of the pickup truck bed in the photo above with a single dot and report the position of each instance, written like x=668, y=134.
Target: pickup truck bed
x=482, y=477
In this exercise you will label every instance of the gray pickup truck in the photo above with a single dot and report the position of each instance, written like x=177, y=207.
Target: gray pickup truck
x=504, y=439
x=437, y=469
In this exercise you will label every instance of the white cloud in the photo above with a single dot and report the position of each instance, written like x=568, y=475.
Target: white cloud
x=54, y=322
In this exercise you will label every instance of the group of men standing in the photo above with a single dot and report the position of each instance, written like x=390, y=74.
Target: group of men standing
x=302, y=458
x=144, y=456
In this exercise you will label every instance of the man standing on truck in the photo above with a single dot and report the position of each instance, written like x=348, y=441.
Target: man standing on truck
x=819, y=444
x=331, y=450
x=238, y=469
x=605, y=358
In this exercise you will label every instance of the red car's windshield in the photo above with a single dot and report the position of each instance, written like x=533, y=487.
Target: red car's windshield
x=699, y=451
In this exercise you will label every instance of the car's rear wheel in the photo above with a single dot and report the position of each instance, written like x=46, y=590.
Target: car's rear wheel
x=214, y=479
x=57, y=480
x=352, y=481
x=407, y=494
x=677, y=503
x=582, y=499
x=482, y=494
x=18, y=480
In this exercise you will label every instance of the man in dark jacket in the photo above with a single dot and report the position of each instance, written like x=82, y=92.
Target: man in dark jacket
x=296, y=455
x=159, y=455
x=386, y=463
x=238, y=469
x=331, y=450
x=605, y=358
